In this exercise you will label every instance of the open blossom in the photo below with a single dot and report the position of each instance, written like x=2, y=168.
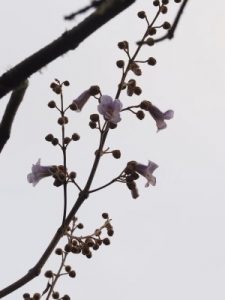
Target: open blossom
x=147, y=171
x=80, y=101
x=159, y=116
x=110, y=109
x=38, y=172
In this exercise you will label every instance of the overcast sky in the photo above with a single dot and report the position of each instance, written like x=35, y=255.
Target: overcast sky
x=168, y=243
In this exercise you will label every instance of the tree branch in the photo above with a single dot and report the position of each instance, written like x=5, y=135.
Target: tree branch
x=69, y=40
x=10, y=112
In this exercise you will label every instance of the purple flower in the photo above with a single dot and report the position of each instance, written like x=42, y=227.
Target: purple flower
x=38, y=172
x=159, y=116
x=147, y=171
x=80, y=101
x=110, y=109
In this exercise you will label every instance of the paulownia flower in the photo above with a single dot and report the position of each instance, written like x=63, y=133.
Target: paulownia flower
x=147, y=172
x=38, y=172
x=110, y=109
x=80, y=101
x=159, y=116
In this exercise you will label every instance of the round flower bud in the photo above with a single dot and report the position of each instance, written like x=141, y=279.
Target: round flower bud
x=89, y=255
x=106, y=241
x=58, y=251
x=66, y=297
x=68, y=248
x=120, y=63
x=150, y=42
x=137, y=71
x=137, y=90
x=105, y=215
x=66, y=83
x=61, y=121
x=141, y=14
x=80, y=226
x=145, y=105
x=26, y=296
x=94, y=117
x=95, y=247
x=72, y=274
x=163, y=9
x=140, y=115
x=94, y=90
x=51, y=104
x=112, y=125
x=116, y=154
x=110, y=232
x=67, y=140
x=177, y=1
x=151, y=31
x=72, y=175
x=68, y=268
x=166, y=25
x=165, y=2
x=73, y=106
x=123, y=45
x=156, y=2
x=55, y=295
x=36, y=296
x=49, y=274
x=56, y=88
x=75, y=137
x=55, y=142
x=49, y=137
x=151, y=61
x=57, y=183
x=92, y=124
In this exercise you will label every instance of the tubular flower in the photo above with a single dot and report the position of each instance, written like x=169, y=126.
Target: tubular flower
x=38, y=172
x=110, y=109
x=147, y=171
x=159, y=116
x=80, y=101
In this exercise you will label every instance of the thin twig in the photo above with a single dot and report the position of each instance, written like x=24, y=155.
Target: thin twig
x=10, y=112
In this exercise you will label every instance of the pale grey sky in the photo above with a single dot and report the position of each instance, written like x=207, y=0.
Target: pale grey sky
x=169, y=243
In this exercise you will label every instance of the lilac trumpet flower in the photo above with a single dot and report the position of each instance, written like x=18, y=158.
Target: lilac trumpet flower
x=159, y=116
x=80, y=101
x=38, y=172
x=110, y=109
x=147, y=172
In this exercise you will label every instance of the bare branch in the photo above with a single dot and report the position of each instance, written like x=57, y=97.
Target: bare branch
x=69, y=40
x=10, y=112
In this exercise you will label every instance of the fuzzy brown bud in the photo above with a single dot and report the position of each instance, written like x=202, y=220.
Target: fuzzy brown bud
x=151, y=61
x=145, y=105
x=75, y=137
x=106, y=241
x=123, y=45
x=92, y=124
x=94, y=117
x=165, y=2
x=156, y=2
x=68, y=268
x=72, y=175
x=80, y=226
x=66, y=297
x=73, y=106
x=52, y=104
x=55, y=142
x=116, y=154
x=36, y=296
x=137, y=90
x=66, y=83
x=72, y=274
x=120, y=63
x=141, y=14
x=94, y=90
x=49, y=137
x=110, y=232
x=105, y=215
x=55, y=295
x=112, y=125
x=150, y=41
x=26, y=296
x=140, y=115
x=66, y=140
x=48, y=274
x=166, y=25
x=151, y=31
x=163, y=9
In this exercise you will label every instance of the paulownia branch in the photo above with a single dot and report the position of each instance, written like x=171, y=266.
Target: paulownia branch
x=69, y=40
x=170, y=33
x=10, y=112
